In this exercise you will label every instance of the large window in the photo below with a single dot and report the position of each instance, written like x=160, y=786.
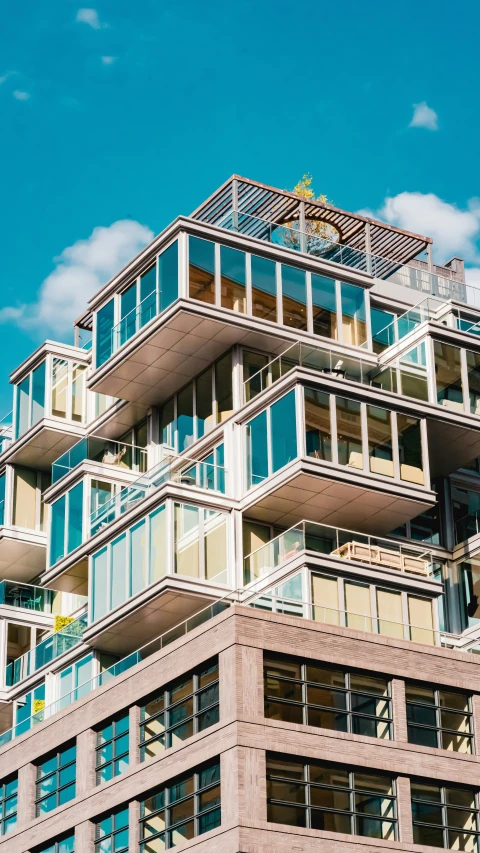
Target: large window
x=8, y=804
x=66, y=525
x=317, y=424
x=28, y=507
x=294, y=292
x=197, y=408
x=349, y=432
x=181, y=810
x=69, y=390
x=324, y=306
x=264, y=288
x=112, y=749
x=410, y=449
x=104, y=333
x=62, y=844
x=271, y=440
x=366, y=607
x=55, y=783
x=168, y=276
x=233, y=279
x=200, y=543
x=315, y=694
x=29, y=400
x=469, y=581
x=445, y=816
x=440, y=718
x=111, y=832
x=201, y=256
x=181, y=709
x=354, y=328
x=329, y=797
x=448, y=375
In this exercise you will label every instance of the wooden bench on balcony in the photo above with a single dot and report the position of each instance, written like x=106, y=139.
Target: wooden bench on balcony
x=379, y=556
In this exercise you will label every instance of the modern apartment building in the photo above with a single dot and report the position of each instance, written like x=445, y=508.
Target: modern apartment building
x=240, y=547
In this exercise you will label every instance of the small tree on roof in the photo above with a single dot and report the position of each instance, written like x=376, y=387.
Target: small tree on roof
x=317, y=231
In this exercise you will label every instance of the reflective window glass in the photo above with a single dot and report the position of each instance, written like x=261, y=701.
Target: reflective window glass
x=264, y=288
x=354, y=327
x=324, y=306
x=103, y=336
x=233, y=279
x=294, y=296
x=202, y=269
x=168, y=276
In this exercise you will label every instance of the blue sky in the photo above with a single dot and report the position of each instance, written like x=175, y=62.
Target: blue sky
x=114, y=111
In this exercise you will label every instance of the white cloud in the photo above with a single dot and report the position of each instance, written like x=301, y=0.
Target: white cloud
x=21, y=96
x=5, y=76
x=80, y=271
x=454, y=231
x=90, y=17
x=108, y=60
x=424, y=116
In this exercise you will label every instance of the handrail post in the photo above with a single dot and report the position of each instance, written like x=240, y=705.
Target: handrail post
x=302, y=226
x=235, y=204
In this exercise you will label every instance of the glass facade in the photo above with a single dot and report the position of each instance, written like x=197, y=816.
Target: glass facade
x=315, y=694
x=55, y=783
x=271, y=440
x=181, y=709
x=330, y=797
x=183, y=809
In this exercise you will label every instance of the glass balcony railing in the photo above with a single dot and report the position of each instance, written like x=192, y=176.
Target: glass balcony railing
x=26, y=596
x=180, y=630
x=404, y=380
x=467, y=526
x=336, y=542
x=412, y=276
x=134, y=320
x=347, y=618
x=406, y=323
x=175, y=469
x=6, y=431
x=46, y=651
x=115, y=454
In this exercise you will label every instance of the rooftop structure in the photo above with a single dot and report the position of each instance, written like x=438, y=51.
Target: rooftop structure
x=240, y=547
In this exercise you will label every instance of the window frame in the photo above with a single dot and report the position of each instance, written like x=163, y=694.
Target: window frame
x=437, y=707
x=443, y=805
x=59, y=767
x=100, y=745
x=99, y=839
x=5, y=798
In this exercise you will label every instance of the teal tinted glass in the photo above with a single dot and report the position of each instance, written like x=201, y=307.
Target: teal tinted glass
x=103, y=337
x=22, y=406
x=75, y=517
x=264, y=288
x=100, y=584
x=257, y=450
x=324, y=306
x=38, y=393
x=283, y=431
x=294, y=293
x=168, y=276
x=57, y=531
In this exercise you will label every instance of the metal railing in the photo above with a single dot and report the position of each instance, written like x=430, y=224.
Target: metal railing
x=46, y=651
x=134, y=320
x=202, y=474
x=6, y=431
x=407, y=275
x=336, y=542
x=117, y=454
x=400, y=327
x=372, y=624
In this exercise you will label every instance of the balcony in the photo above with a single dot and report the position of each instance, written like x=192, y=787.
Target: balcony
x=46, y=651
x=36, y=599
x=6, y=432
x=114, y=455
x=345, y=545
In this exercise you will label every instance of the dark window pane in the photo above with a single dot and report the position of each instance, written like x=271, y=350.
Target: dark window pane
x=375, y=828
x=294, y=297
x=329, y=798
x=233, y=279
x=428, y=835
x=286, y=814
x=283, y=711
x=331, y=822
x=202, y=269
x=280, y=689
x=422, y=737
x=168, y=276
x=290, y=792
x=264, y=289
x=324, y=307
x=427, y=813
x=327, y=720
x=328, y=698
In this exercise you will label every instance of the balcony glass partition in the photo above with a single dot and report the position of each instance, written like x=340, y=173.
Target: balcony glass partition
x=264, y=288
x=349, y=432
x=28, y=508
x=29, y=400
x=115, y=454
x=337, y=542
x=448, y=375
x=66, y=524
x=271, y=440
x=46, y=651
x=201, y=258
x=401, y=326
x=233, y=282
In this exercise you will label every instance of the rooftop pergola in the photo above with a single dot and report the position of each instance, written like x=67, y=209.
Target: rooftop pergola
x=264, y=203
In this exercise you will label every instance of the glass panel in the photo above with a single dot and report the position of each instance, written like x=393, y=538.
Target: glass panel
x=128, y=304
x=25, y=498
x=185, y=428
x=410, y=449
x=325, y=600
x=59, y=387
x=104, y=326
x=216, y=548
x=138, y=557
x=168, y=276
x=187, y=556
x=349, y=433
x=78, y=393
x=257, y=450
x=22, y=409
x=167, y=423
x=324, y=307
x=469, y=572
x=380, y=448
x=233, y=279
x=100, y=584
x=264, y=288
x=448, y=375
x=204, y=400
x=148, y=296
x=38, y=393
x=317, y=424
x=420, y=615
x=294, y=293
x=223, y=387
x=57, y=531
x=354, y=328
x=202, y=270
x=357, y=606
x=283, y=431
x=473, y=368
x=158, y=544
x=389, y=609
x=379, y=321
x=118, y=571
x=75, y=517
